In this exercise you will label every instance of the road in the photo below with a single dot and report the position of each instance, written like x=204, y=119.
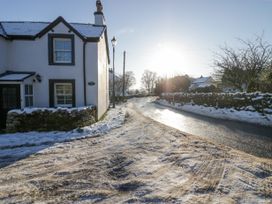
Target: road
x=253, y=139
x=143, y=161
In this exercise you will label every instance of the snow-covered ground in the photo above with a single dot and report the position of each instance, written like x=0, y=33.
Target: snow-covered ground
x=143, y=161
x=222, y=113
x=18, y=145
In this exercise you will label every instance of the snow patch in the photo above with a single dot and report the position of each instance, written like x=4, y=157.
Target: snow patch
x=32, y=110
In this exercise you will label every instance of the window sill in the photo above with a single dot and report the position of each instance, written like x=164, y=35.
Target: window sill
x=62, y=64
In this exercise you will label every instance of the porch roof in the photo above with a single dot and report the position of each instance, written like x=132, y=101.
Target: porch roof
x=15, y=76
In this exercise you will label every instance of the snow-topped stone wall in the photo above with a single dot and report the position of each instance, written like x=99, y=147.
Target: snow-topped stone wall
x=50, y=119
x=255, y=102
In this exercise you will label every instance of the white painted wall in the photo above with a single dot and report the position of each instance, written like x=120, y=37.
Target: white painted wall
x=97, y=71
x=103, y=76
x=3, y=54
x=33, y=56
x=91, y=73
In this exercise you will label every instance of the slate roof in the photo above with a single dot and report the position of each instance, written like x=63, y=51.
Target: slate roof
x=23, y=28
x=33, y=29
x=13, y=30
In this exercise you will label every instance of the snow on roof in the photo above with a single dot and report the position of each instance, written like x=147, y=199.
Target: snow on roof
x=203, y=85
x=88, y=30
x=15, y=76
x=23, y=28
x=201, y=80
x=33, y=28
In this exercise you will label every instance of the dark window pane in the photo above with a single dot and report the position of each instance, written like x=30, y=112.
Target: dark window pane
x=30, y=90
x=29, y=101
x=26, y=89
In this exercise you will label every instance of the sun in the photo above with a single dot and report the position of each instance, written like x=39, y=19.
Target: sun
x=167, y=58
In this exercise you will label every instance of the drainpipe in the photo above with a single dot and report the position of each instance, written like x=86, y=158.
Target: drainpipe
x=84, y=73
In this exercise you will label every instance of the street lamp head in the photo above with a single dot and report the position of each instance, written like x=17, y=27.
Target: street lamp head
x=114, y=42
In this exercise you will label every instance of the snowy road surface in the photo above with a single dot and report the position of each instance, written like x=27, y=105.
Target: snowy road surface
x=141, y=162
x=253, y=139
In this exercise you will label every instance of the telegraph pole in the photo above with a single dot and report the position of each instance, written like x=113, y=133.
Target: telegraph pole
x=124, y=74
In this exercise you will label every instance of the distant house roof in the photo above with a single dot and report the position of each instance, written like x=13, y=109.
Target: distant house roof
x=202, y=82
x=15, y=76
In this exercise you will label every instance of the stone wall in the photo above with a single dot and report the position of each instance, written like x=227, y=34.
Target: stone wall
x=49, y=119
x=259, y=102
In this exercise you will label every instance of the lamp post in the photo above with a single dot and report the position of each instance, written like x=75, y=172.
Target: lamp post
x=113, y=42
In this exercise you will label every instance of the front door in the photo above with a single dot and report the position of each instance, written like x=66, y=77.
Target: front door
x=9, y=99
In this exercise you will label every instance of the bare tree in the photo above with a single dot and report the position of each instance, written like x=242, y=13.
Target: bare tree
x=241, y=68
x=130, y=80
x=149, y=79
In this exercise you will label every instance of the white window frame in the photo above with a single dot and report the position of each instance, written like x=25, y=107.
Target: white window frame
x=56, y=104
x=29, y=95
x=62, y=50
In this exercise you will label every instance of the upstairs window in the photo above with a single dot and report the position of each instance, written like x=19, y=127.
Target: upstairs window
x=61, y=49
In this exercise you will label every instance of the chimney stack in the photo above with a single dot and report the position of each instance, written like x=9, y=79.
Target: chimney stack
x=98, y=15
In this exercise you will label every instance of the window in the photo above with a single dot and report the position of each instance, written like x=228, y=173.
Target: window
x=63, y=95
x=61, y=49
x=28, y=95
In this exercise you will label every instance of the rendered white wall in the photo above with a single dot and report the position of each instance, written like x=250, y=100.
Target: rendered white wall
x=33, y=56
x=97, y=71
x=103, y=86
x=91, y=73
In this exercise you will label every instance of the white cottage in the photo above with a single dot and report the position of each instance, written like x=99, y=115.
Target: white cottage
x=202, y=82
x=54, y=64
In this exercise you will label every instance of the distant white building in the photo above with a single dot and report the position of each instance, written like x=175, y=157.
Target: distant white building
x=54, y=64
x=202, y=82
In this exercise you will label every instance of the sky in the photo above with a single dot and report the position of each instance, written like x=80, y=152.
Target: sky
x=166, y=36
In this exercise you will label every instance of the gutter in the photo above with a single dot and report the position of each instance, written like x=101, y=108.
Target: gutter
x=84, y=73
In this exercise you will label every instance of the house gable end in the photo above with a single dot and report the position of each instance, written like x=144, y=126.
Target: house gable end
x=51, y=26
x=107, y=45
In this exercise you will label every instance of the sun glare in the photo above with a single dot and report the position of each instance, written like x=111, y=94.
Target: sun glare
x=167, y=58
